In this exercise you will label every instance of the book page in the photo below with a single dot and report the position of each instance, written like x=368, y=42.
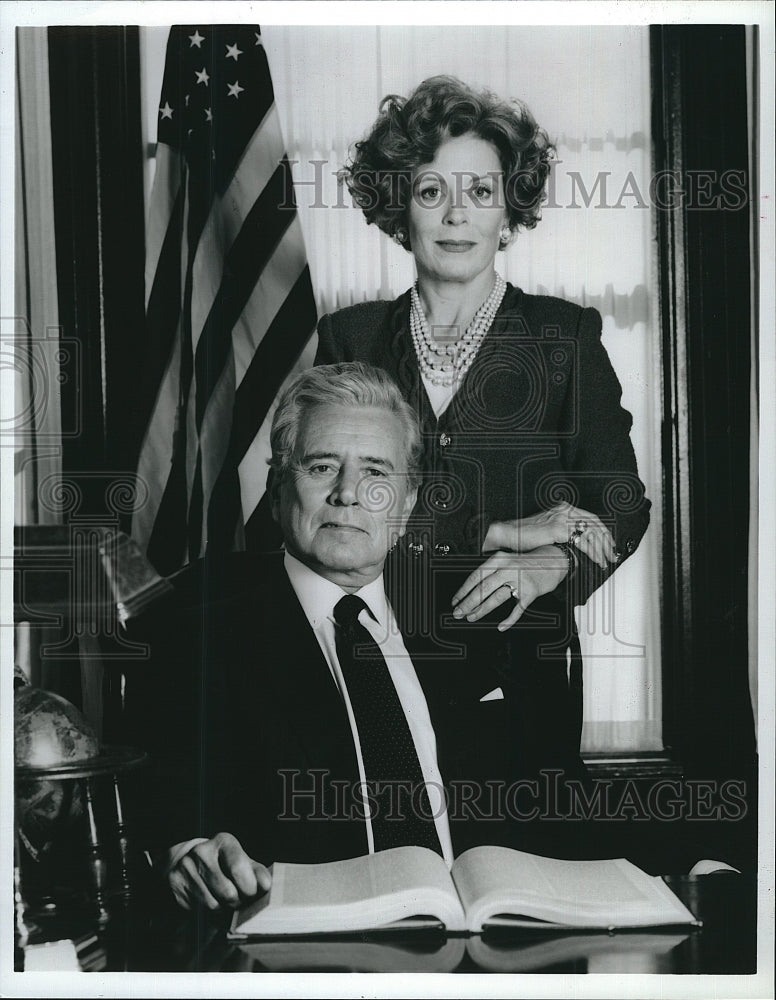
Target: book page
x=493, y=880
x=485, y=870
x=359, y=879
x=358, y=893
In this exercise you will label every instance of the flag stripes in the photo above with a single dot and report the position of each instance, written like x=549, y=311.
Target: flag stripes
x=230, y=308
x=275, y=282
x=252, y=173
x=280, y=348
x=247, y=256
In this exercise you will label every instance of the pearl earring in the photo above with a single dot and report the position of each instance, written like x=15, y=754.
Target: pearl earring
x=505, y=236
x=400, y=237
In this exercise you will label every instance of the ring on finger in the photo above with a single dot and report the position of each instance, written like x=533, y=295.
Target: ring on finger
x=513, y=591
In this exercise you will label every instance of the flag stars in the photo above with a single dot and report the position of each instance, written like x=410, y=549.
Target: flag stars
x=208, y=115
x=258, y=38
x=187, y=99
x=196, y=39
x=235, y=89
x=232, y=52
x=166, y=111
x=202, y=75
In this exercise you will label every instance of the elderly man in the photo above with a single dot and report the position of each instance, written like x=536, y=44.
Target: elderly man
x=306, y=726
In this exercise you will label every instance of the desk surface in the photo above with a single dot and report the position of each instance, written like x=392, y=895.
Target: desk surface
x=726, y=944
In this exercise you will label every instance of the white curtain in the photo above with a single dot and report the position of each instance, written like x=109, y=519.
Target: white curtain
x=589, y=88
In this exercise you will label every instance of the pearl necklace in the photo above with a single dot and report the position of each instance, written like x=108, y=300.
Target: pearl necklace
x=444, y=363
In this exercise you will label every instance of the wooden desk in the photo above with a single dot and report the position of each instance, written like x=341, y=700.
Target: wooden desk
x=726, y=944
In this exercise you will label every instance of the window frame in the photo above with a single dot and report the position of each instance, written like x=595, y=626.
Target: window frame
x=704, y=262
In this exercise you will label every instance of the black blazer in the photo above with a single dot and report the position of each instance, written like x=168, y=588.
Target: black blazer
x=536, y=420
x=239, y=711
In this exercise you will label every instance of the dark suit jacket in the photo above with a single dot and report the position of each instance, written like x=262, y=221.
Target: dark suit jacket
x=536, y=420
x=238, y=709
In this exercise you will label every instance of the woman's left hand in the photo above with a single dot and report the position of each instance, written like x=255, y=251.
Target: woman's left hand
x=561, y=523
x=505, y=575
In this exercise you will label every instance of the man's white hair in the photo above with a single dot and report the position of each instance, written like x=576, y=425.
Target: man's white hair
x=347, y=383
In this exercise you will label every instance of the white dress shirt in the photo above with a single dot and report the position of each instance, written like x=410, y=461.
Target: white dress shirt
x=318, y=598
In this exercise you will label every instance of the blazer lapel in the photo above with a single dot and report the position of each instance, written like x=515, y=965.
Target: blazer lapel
x=403, y=364
x=507, y=324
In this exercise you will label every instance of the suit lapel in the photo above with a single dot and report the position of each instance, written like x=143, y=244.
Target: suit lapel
x=403, y=364
x=302, y=689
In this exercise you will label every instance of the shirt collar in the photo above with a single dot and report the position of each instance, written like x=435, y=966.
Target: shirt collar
x=318, y=595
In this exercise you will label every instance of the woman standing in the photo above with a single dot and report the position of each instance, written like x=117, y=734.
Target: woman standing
x=529, y=466
x=527, y=444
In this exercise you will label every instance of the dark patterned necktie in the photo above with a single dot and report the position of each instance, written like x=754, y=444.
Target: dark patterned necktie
x=401, y=813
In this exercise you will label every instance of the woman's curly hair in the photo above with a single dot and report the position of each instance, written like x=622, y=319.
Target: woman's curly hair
x=409, y=131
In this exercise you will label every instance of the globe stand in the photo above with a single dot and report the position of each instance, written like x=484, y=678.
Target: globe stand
x=88, y=580
x=110, y=762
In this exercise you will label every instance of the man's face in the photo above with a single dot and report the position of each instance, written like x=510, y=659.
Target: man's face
x=345, y=499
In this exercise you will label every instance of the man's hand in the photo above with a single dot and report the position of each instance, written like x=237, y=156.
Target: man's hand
x=507, y=575
x=217, y=873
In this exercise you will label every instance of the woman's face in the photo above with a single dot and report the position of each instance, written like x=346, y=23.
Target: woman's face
x=457, y=211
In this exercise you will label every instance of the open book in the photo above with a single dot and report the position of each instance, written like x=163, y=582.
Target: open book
x=487, y=887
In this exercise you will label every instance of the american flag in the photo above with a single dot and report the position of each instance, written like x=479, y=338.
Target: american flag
x=229, y=302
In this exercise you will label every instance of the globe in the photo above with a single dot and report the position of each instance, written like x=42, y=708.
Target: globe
x=48, y=731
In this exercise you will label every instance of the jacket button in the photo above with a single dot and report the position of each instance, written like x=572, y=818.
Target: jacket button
x=416, y=548
x=444, y=440
x=441, y=549
x=630, y=545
